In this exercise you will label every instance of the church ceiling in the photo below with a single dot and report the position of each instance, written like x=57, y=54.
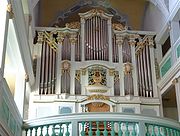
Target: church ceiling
x=128, y=12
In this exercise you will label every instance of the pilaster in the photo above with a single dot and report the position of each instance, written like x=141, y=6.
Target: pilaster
x=152, y=61
x=119, y=42
x=176, y=82
x=134, y=71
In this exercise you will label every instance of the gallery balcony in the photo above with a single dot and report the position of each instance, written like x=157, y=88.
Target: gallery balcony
x=101, y=124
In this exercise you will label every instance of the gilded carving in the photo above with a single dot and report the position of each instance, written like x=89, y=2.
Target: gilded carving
x=73, y=39
x=83, y=70
x=60, y=37
x=73, y=25
x=40, y=37
x=175, y=81
x=119, y=40
x=66, y=66
x=127, y=68
x=116, y=76
x=78, y=75
x=118, y=26
x=10, y=10
x=98, y=91
x=111, y=72
x=98, y=97
x=97, y=76
x=26, y=77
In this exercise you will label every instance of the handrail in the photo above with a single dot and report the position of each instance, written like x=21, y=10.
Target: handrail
x=101, y=123
x=100, y=117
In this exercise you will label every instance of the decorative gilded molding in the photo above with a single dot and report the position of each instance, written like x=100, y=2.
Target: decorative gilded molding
x=83, y=71
x=119, y=40
x=73, y=25
x=118, y=27
x=98, y=91
x=116, y=76
x=26, y=77
x=47, y=37
x=98, y=97
x=111, y=71
x=10, y=11
x=73, y=38
x=40, y=37
x=60, y=37
x=175, y=81
x=151, y=41
x=78, y=75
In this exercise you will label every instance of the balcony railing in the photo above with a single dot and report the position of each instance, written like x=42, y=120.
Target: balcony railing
x=10, y=118
x=166, y=63
x=97, y=124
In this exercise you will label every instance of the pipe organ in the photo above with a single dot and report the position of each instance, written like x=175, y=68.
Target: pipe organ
x=96, y=56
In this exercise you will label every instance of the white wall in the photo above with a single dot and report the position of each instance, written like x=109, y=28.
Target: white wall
x=154, y=19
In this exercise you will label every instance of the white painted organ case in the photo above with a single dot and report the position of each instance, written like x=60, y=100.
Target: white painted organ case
x=96, y=60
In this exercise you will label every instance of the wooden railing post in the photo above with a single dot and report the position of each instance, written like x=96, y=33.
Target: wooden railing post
x=75, y=128
x=142, y=128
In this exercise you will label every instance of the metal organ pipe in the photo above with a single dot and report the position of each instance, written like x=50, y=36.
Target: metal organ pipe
x=145, y=71
x=139, y=75
x=42, y=69
x=142, y=73
x=149, y=70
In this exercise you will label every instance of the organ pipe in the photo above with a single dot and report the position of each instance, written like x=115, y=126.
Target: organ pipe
x=96, y=38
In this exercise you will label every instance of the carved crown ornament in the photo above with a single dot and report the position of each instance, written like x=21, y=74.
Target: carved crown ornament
x=95, y=12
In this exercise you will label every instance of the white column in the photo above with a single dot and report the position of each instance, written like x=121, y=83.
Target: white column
x=59, y=62
x=72, y=82
x=4, y=23
x=134, y=71
x=73, y=40
x=110, y=40
x=153, y=66
x=82, y=38
x=176, y=82
x=119, y=41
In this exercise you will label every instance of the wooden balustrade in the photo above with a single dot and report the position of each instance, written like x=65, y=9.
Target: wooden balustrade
x=101, y=124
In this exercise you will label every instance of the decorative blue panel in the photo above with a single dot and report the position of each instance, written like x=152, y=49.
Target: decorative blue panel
x=63, y=110
x=128, y=110
x=165, y=67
